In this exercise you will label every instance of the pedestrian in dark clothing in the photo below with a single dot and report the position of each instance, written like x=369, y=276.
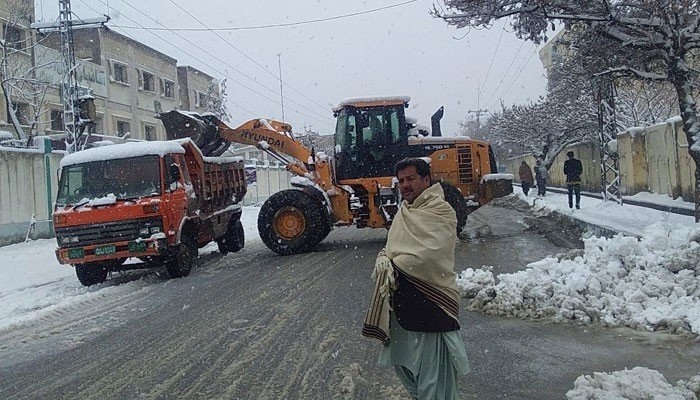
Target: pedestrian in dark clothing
x=573, y=170
x=526, y=179
x=541, y=176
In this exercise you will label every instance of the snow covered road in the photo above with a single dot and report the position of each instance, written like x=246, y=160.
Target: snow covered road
x=257, y=325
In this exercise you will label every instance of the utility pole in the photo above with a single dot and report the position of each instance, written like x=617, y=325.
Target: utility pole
x=279, y=62
x=478, y=112
x=73, y=125
x=605, y=94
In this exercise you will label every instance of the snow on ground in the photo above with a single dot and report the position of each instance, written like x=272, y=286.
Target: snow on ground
x=648, y=283
x=637, y=383
x=32, y=282
x=651, y=283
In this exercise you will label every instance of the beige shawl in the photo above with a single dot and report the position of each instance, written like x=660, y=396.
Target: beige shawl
x=421, y=243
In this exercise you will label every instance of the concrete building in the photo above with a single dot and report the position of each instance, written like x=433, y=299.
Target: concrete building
x=16, y=50
x=131, y=82
x=196, y=88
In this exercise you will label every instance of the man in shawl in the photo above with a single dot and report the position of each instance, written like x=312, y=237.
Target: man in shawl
x=415, y=304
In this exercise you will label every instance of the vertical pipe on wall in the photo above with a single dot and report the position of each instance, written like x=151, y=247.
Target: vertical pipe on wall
x=47, y=173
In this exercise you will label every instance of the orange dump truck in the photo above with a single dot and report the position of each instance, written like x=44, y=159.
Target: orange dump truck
x=155, y=201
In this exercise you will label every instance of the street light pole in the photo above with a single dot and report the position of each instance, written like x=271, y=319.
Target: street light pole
x=279, y=62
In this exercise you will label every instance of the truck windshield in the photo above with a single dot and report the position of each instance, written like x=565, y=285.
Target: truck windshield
x=125, y=178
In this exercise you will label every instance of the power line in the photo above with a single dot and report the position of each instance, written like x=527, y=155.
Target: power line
x=212, y=67
x=520, y=71
x=505, y=74
x=488, y=72
x=246, y=55
x=311, y=21
x=223, y=62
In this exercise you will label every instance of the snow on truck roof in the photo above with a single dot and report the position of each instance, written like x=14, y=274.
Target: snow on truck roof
x=124, y=150
x=372, y=101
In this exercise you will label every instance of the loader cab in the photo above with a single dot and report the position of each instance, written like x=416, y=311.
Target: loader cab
x=369, y=139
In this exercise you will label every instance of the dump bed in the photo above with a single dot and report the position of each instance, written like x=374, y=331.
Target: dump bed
x=218, y=182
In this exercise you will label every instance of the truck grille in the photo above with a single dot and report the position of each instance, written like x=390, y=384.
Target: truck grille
x=106, y=232
x=466, y=165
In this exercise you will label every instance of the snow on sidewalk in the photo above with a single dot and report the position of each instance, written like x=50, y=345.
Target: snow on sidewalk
x=648, y=284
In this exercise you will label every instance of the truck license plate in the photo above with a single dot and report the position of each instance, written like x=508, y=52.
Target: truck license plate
x=107, y=249
x=76, y=253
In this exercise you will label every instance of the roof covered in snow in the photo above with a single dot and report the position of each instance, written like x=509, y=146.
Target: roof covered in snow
x=125, y=150
x=371, y=101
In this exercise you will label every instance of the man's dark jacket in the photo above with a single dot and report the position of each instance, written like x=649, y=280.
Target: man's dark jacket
x=573, y=170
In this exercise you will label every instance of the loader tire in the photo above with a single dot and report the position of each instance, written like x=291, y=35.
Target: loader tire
x=291, y=222
x=456, y=200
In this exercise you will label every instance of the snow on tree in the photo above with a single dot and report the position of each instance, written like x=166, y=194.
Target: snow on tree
x=23, y=92
x=666, y=32
x=216, y=100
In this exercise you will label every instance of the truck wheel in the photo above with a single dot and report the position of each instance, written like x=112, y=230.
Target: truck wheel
x=456, y=200
x=181, y=263
x=91, y=273
x=233, y=240
x=291, y=222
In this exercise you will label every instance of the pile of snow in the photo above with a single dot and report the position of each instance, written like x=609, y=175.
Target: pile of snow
x=648, y=284
x=637, y=383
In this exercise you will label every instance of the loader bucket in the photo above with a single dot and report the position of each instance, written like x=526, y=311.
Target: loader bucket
x=202, y=129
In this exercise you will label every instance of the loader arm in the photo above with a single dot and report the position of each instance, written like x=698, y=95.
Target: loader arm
x=277, y=135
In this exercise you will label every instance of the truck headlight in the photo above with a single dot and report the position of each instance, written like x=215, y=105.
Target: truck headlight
x=143, y=231
x=74, y=239
x=155, y=229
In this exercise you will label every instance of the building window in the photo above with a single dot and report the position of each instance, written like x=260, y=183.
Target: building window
x=13, y=38
x=119, y=72
x=200, y=99
x=56, y=120
x=149, y=132
x=147, y=81
x=167, y=88
x=22, y=112
x=123, y=128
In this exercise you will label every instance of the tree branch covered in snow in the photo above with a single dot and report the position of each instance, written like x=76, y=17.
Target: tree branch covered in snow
x=667, y=33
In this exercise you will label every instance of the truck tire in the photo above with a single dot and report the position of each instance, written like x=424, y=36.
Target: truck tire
x=181, y=262
x=291, y=222
x=456, y=200
x=91, y=273
x=233, y=240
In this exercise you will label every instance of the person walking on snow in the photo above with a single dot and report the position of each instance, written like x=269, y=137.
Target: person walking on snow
x=415, y=303
x=573, y=170
x=526, y=179
x=541, y=176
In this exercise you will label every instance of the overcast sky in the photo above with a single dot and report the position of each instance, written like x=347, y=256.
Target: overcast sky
x=400, y=50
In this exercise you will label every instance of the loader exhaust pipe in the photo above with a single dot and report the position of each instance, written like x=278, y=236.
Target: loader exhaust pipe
x=435, y=121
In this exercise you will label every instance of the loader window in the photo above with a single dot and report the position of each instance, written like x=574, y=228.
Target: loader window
x=368, y=141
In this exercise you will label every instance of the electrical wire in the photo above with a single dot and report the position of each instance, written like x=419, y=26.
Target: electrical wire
x=212, y=67
x=493, y=57
x=520, y=71
x=241, y=28
x=324, y=121
x=227, y=64
x=246, y=55
x=505, y=74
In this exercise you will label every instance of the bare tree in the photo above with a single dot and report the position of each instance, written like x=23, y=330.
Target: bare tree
x=23, y=92
x=666, y=32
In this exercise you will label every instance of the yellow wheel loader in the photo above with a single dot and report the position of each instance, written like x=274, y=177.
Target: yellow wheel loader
x=355, y=185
